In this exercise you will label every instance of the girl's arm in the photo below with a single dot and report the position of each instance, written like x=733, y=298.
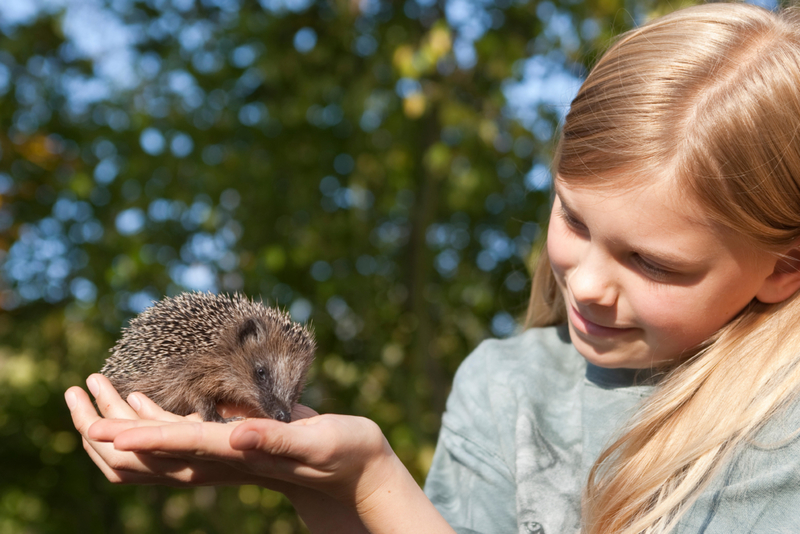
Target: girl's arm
x=338, y=471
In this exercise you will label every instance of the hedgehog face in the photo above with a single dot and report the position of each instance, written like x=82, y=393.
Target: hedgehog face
x=272, y=398
x=278, y=359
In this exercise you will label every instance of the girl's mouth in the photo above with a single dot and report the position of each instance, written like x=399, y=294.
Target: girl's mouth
x=587, y=327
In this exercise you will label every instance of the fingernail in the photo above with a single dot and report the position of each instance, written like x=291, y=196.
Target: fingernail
x=134, y=402
x=69, y=396
x=94, y=386
x=248, y=440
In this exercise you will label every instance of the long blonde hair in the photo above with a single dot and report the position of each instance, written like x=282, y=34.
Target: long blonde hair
x=711, y=93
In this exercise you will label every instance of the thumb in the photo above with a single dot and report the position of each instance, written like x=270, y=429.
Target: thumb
x=245, y=441
x=257, y=434
x=297, y=440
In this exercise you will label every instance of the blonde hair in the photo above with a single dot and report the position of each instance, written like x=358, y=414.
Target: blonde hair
x=711, y=93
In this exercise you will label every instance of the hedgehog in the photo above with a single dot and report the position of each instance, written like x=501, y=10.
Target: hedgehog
x=193, y=351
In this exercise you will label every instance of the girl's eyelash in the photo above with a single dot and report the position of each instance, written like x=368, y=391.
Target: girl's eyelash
x=571, y=221
x=653, y=271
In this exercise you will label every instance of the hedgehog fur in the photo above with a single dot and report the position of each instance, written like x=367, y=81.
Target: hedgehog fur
x=190, y=352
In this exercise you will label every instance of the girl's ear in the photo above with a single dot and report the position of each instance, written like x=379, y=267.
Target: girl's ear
x=784, y=280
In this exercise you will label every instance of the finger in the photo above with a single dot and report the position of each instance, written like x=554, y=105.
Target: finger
x=196, y=442
x=115, y=476
x=322, y=442
x=131, y=468
x=81, y=409
x=262, y=434
x=99, y=461
x=116, y=467
x=83, y=416
x=284, y=451
x=105, y=430
x=195, y=439
x=307, y=448
x=193, y=472
x=147, y=409
x=108, y=400
x=124, y=467
x=294, y=439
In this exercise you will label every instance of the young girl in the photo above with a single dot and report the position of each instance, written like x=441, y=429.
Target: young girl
x=666, y=402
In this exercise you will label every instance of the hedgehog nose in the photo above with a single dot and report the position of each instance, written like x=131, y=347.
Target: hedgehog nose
x=281, y=415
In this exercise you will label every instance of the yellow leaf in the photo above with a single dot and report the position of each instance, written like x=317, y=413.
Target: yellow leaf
x=440, y=41
x=403, y=60
x=414, y=105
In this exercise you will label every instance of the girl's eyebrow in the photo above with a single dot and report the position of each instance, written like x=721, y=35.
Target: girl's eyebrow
x=665, y=258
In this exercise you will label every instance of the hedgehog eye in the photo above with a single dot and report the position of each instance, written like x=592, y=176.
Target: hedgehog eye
x=261, y=373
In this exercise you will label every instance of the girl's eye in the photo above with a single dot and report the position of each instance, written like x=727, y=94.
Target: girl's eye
x=650, y=269
x=571, y=221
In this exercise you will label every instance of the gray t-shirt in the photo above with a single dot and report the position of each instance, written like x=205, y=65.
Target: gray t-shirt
x=526, y=420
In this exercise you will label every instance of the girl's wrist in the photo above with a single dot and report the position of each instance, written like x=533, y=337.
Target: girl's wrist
x=398, y=504
x=322, y=513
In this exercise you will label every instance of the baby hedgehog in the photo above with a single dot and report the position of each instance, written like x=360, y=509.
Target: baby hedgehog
x=188, y=353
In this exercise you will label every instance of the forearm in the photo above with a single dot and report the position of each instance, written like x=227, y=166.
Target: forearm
x=323, y=514
x=396, y=505
x=399, y=506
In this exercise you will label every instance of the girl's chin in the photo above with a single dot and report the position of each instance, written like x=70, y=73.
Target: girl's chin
x=616, y=354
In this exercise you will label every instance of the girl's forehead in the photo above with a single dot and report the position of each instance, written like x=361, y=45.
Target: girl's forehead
x=622, y=179
x=669, y=192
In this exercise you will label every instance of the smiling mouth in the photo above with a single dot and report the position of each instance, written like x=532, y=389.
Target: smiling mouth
x=587, y=327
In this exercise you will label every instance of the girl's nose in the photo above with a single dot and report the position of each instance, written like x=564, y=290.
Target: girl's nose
x=590, y=282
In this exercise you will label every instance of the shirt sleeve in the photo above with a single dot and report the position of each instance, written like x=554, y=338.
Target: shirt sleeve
x=470, y=481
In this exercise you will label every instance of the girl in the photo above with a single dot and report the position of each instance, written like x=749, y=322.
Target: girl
x=673, y=257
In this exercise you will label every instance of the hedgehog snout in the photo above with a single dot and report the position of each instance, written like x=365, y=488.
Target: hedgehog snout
x=278, y=413
x=275, y=408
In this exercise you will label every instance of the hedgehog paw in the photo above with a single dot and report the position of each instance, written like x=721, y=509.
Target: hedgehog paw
x=232, y=419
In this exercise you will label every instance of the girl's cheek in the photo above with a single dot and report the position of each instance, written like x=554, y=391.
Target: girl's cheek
x=560, y=248
x=666, y=314
x=554, y=253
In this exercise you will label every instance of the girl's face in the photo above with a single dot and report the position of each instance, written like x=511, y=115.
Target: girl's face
x=644, y=275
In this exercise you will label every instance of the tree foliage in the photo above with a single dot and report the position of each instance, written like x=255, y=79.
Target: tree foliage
x=377, y=168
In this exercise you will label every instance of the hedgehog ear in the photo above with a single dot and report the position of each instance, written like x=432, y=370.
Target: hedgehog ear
x=250, y=328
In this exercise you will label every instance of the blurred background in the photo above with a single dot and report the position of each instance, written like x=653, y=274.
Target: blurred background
x=378, y=168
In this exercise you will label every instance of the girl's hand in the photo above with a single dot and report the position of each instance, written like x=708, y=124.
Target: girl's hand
x=333, y=468
x=320, y=512
x=127, y=468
